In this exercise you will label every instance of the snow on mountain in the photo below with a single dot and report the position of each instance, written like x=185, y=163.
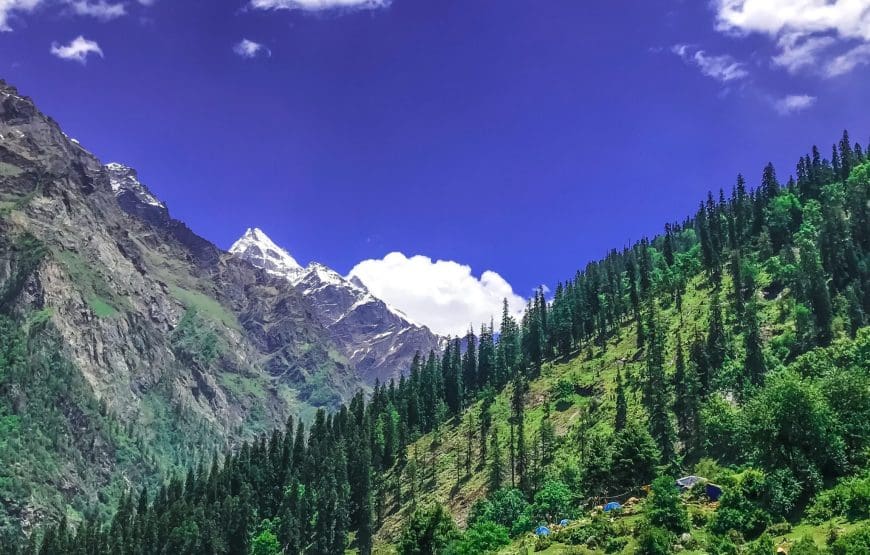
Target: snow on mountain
x=379, y=340
x=257, y=248
x=124, y=179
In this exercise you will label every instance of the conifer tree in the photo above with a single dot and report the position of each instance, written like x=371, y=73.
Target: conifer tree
x=496, y=464
x=716, y=341
x=815, y=282
x=486, y=356
x=485, y=421
x=769, y=184
x=547, y=437
x=657, y=389
x=754, y=364
x=687, y=405
x=469, y=365
x=621, y=405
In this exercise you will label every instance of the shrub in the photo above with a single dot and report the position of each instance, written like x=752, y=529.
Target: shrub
x=616, y=544
x=484, y=537
x=542, y=543
x=506, y=507
x=553, y=502
x=654, y=541
x=428, y=530
x=665, y=509
x=740, y=507
x=596, y=532
x=850, y=498
x=805, y=546
x=698, y=517
x=856, y=542
x=762, y=546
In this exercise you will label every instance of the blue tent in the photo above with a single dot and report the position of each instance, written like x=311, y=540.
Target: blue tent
x=542, y=531
x=564, y=522
x=612, y=506
x=713, y=491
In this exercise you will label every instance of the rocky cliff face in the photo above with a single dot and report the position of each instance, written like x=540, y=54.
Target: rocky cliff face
x=169, y=347
x=379, y=341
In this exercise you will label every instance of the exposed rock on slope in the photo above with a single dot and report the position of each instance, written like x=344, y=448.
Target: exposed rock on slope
x=378, y=340
x=182, y=347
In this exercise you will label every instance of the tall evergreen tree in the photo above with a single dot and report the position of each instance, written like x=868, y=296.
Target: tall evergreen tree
x=621, y=404
x=657, y=389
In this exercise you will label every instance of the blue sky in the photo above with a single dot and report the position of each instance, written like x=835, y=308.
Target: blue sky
x=524, y=137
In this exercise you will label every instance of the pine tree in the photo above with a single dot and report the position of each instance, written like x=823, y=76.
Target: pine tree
x=668, y=246
x=815, y=282
x=485, y=421
x=634, y=297
x=687, y=402
x=496, y=464
x=769, y=184
x=716, y=341
x=469, y=365
x=470, y=428
x=657, y=388
x=547, y=437
x=486, y=356
x=621, y=405
x=452, y=373
x=754, y=364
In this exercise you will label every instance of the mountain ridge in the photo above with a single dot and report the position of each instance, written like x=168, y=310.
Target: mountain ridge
x=379, y=340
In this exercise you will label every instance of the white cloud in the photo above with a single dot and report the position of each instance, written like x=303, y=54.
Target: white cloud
x=8, y=7
x=794, y=103
x=723, y=68
x=250, y=49
x=844, y=63
x=104, y=10
x=100, y=9
x=318, y=5
x=442, y=294
x=805, y=31
x=77, y=50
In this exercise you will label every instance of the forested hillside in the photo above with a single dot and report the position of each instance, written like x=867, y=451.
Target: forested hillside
x=733, y=346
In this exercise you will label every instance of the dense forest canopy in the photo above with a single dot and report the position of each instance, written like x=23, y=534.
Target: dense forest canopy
x=764, y=383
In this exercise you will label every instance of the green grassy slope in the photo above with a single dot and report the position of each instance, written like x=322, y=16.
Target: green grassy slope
x=591, y=373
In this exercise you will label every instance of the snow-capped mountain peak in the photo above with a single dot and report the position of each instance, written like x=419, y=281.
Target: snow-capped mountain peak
x=257, y=248
x=124, y=179
x=378, y=340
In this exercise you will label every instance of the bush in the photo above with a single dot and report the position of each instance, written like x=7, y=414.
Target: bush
x=484, y=537
x=722, y=545
x=783, y=491
x=506, y=507
x=740, y=507
x=655, y=541
x=698, y=517
x=856, y=542
x=720, y=422
x=850, y=498
x=553, y=502
x=595, y=533
x=428, y=531
x=805, y=546
x=779, y=529
x=542, y=543
x=665, y=508
x=615, y=545
x=762, y=546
